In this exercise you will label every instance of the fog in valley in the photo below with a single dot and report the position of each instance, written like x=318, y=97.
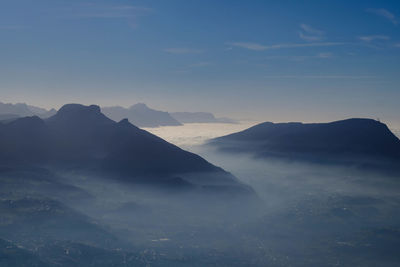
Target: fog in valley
x=199, y=133
x=312, y=214
x=287, y=213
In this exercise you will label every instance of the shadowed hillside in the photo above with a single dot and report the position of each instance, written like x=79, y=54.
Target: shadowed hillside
x=348, y=140
x=81, y=138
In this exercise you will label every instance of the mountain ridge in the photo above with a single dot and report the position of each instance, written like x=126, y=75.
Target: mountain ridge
x=82, y=138
x=199, y=117
x=23, y=110
x=141, y=115
x=355, y=137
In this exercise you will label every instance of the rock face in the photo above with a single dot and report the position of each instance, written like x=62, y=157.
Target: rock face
x=346, y=139
x=141, y=115
x=82, y=138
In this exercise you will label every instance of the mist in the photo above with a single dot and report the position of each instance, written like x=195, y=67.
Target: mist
x=262, y=212
x=199, y=133
x=313, y=214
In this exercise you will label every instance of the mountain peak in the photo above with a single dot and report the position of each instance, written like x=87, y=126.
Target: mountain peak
x=124, y=121
x=75, y=108
x=81, y=114
x=142, y=106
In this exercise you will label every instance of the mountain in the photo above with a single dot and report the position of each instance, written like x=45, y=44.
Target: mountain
x=8, y=117
x=48, y=113
x=23, y=110
x=19, y=109
x=141, y=115
x=345, y=140
x=199, y=117
x=81, y=138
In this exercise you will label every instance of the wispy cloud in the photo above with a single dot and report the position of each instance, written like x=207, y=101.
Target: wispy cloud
x=309, y=38
x=384, y=13
x=12, y=27
x=310, y=34
x=320, y=77
x=128, y=13
x=249, y=46
x=183, y=50
x=397, y=45
x=310, y=30
x=200, y=64
x=370, y=38
x=325, y=55
x=260, y=47
x=108, y=11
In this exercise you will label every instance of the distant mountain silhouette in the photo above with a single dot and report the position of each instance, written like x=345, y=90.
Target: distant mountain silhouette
x=82, y=138
x=340, y=140
x=8, y=117
x=141, y=115
x=199, y=117
x=23, y=110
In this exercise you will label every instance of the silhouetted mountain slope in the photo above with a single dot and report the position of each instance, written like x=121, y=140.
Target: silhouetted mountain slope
x=82, y=138
x=141, y=115
x=346, y=139
x=199, y=117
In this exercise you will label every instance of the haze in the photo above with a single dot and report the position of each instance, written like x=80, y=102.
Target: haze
x=299, y=61
x=199, y=133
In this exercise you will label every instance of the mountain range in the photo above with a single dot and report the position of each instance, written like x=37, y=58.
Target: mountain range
x=141, y=115
x=82, y=138
x=12, y=111
x=345, y=140
x=199, y=117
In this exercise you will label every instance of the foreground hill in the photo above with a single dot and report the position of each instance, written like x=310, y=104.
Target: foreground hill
x=346, y=140
x=82, y=138
x=141, y=115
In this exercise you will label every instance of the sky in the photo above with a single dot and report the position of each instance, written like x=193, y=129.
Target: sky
x=261, y=60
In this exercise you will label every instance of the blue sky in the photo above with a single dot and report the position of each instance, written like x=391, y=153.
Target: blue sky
x=266, y=60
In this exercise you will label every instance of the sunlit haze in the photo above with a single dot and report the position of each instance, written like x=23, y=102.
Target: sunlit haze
x=199, y=133
x=265, y=61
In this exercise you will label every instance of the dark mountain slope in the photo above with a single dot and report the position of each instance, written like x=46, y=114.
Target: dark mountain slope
x=84, y=133
x=347, y=139
x=82, y=138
